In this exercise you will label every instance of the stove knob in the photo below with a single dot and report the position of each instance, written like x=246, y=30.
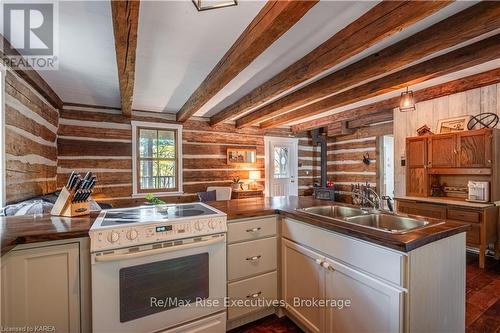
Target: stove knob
x=198, y=226
x=132, y=234
x=113, y=237
x=211, y=224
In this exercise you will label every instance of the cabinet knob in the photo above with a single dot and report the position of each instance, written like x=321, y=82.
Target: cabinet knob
x=254, y=229
x=326, y=265
x=255, y=295
x=254, y=258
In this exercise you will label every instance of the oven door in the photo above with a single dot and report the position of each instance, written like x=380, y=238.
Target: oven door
x=154, y=287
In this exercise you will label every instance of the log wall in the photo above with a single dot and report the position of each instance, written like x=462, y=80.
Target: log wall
x=100, y=140
x=30, y=141
x=345, y=159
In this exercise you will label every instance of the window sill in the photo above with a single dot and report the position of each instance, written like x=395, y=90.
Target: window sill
x=157, y=194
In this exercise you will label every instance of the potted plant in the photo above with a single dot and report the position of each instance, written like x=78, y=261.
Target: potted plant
x=236, y=185
x=152, y=200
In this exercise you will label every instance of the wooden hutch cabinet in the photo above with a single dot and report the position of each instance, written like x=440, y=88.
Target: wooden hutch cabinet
x=454, y=159
x=417, y=180
x=472, y=154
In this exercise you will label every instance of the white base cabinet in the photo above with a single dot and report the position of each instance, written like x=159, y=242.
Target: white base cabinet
x=356, y=301
x=302, y=280
x=252, y=269
x=42, y=288
x=368, y=288
x=374, y=306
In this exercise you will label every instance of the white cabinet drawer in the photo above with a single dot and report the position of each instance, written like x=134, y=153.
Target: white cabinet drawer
x=244, y=230
x=260, y=287
x=251, y=258
x=387, y=264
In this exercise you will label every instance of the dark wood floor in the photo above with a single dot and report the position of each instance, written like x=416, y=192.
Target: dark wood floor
x=482, y=304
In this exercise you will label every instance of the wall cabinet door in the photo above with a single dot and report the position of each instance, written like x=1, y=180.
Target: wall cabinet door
x=442, y=151
x=375, y=306
x=302, y=278
x=41, y=286
x=416, y=170
x=474, y=149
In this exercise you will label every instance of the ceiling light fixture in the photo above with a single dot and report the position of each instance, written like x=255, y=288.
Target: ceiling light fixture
x=202, y=5
x=407, y=102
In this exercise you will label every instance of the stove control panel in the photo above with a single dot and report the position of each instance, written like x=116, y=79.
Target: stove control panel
x=126, y=236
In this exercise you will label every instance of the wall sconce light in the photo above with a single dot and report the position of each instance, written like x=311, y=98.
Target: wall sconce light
x=407, y=102
x=202, y=5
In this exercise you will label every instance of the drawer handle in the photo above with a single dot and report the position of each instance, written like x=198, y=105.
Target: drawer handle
x=254, y=229
x=254, y=258
x=255, y=295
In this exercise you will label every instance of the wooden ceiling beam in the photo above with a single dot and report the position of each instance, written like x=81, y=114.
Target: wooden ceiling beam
x=461, y=27
x=465, y=57
x=273, y=20
x=360, y=114
x=382, y=21
x=125, y=22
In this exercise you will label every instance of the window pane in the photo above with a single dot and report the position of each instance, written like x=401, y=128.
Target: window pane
x=281, y=162
x=166, y=174
x=166, y=144
x=147, y=143
x=147, y=177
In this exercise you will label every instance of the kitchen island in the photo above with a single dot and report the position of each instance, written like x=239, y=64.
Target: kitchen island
x=412, y=281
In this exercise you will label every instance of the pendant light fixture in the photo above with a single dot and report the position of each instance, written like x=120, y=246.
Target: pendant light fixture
x=407, y=102
x=202, y=5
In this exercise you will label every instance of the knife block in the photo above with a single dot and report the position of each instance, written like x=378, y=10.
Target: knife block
x=64, y=206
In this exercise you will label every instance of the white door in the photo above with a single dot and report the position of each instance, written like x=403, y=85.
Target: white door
x=281, y=166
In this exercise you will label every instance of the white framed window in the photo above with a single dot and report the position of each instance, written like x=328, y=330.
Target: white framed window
x=2, y=137
x=156, y=159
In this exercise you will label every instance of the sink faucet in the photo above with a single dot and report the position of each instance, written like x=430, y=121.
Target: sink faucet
x=367, y=196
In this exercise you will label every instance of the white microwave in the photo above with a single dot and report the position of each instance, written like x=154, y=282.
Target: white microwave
x=478, y=191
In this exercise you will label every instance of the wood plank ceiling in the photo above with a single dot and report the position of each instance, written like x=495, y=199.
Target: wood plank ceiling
x=385, y=19
x=419, y=58
x=275, y=18
x=468, y=24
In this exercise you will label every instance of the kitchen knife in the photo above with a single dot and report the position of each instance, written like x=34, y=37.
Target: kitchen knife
x=74, y=181
x=92, y=183
x=70, y=179
x=87, y=195
x=88, y=175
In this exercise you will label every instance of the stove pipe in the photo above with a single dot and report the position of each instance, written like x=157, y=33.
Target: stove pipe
x=319, y=138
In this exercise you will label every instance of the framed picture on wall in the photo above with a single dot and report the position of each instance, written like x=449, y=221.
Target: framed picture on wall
x=455, y=124
x=240, y=156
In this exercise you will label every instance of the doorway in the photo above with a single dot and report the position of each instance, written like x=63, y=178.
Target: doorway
x=281, y=165
x=387, y=159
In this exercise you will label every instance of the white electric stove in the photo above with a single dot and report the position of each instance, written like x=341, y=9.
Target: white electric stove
x=159, y=268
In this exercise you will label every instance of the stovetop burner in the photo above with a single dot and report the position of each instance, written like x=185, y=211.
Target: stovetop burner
x=154, y=213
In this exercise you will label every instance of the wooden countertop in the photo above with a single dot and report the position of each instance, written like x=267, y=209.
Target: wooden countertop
x=447, y=201
x=15, y=230
x=26, y=229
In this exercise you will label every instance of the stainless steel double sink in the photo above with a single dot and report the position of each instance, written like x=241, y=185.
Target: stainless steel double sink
x=390, y=223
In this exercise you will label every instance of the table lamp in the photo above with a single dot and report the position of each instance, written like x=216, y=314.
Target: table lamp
x=253, y=176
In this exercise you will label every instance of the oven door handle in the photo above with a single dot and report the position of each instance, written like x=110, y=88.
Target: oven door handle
x=132, y=255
